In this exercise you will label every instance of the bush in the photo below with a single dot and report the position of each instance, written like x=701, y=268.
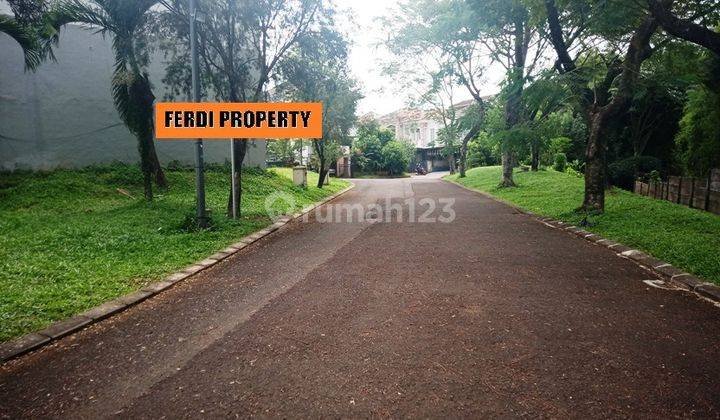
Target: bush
x=396, y=157
x=559, y=145
x=483, y=151
x=560, y=162
x=623, y=173
x=574, y=172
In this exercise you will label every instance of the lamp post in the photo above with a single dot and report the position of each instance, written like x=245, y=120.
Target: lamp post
x=199, y=164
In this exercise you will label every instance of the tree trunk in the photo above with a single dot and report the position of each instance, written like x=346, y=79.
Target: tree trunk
x=322, y=172
x=145, y=140
x=474, y=131
x=535, y=164
x=685, y=29
x=463, y=160
x=513, y=107
x=157, y=170
x=142, y=98
x=507, y=170
x=240, y=149
x=595, y=165
x=451, y=163
x=139, y=119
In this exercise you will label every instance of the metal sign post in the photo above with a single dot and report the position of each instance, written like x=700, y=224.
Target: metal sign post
x=233, y=180
x=199, y=164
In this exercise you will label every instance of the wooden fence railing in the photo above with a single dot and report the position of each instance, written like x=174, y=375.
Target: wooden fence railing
x=692, y=192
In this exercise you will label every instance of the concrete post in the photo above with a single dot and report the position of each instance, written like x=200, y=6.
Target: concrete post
x=300, y=176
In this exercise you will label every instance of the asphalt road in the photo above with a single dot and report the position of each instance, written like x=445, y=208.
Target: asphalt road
x=491, y=315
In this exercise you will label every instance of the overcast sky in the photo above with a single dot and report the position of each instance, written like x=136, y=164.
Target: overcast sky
x=366, y=58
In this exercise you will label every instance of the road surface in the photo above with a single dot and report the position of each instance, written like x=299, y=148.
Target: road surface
x=491, y=315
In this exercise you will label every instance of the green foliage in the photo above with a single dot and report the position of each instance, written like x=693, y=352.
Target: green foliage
x=35, y=27
x=284, y=152
x=654, y=176
x=396, y=156
x=369, y=144
x=684, y=237
x=623, y=173
x=699, y=138
x=483, y=151
x=560, y=162
x=71, y=240
x=560, y=145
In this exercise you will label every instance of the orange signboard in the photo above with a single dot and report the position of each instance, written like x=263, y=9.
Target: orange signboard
x=215, y=120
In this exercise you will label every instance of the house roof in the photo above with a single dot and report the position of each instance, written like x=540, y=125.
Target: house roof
x=416, y=114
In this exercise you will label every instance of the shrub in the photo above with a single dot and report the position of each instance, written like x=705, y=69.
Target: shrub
x=654, y=176
x=560, y=162
x=623, y=173
x=560, y=145
x=577, y=166
x=574, y=172
x=396, y=156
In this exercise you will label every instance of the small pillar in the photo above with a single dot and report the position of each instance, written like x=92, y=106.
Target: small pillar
x=300, y=176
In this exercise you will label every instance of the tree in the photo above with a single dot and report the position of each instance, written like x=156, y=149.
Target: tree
x=698, y=140
x=284, y=151
x=368, y=146
x=240, y=43
x=316, y=71
x=396, y=156
x=687, y=28
x=438, y=44
x=509, y=34
x=127, y=22
x=540, y=100
x=35, y=27
x=600, y=97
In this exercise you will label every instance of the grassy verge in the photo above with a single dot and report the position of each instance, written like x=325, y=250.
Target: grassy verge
x=70, y=241
x=684, y=237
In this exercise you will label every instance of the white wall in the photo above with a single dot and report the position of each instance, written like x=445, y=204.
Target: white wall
x=46, y=117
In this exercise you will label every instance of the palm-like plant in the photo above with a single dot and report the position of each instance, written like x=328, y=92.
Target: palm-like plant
x=127, y=22
x=25, y=37
x=36, y=28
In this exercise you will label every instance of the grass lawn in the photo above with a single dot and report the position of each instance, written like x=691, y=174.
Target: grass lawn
x=687, y=238
x=70, y=241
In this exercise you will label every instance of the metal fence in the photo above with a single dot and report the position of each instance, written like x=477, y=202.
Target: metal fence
x=692, y=192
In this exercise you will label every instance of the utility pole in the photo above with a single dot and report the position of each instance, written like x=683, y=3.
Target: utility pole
x=199, y=165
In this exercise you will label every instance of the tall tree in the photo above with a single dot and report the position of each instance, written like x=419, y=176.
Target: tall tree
x=240, y=43
x=128, y=23
x=434, y=40
x=601, y=97
x=510, y=35
x=316, y=71
x=686, y=27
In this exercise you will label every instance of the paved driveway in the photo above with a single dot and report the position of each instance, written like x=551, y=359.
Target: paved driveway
x=491, y=315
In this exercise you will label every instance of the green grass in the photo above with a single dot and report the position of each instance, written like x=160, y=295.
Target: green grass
x=70, y=241
x=687, y=238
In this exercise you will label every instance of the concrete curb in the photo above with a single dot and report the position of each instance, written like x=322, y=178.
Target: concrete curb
x=35, y=340
x=685, y=281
